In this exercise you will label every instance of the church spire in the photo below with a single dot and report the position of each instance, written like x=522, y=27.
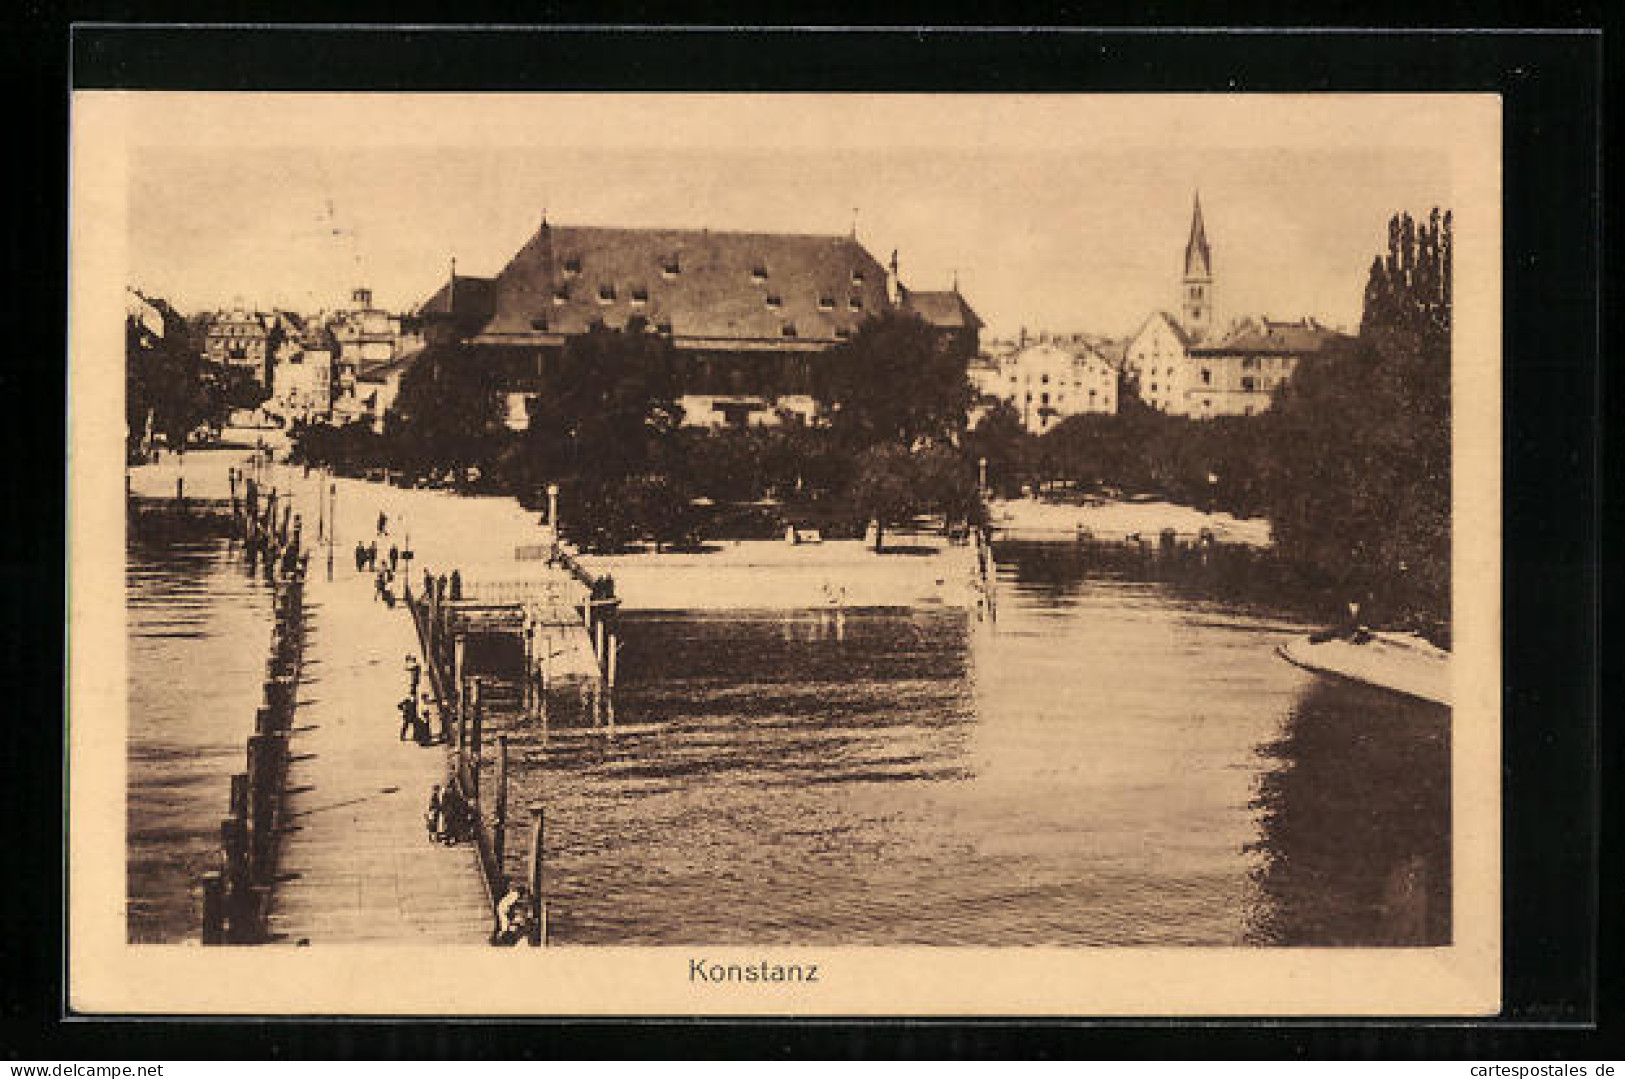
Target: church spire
x=1198, y=287
x=1198, y=259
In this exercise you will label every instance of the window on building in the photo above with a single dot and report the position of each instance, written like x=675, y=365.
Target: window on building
x=606, y=293
x=1247, y=383
x=538, y=323
x=758, y=274
x=640, y=296
x=855, y=303
x=1013, y=380
x=664, y=326
x=1044, y=378
x=789, y=329
x=1153, y=387
x=560, y=295
x=857, y=277
x=1207, y=377
x=671, y=268
x=826, y=303
x=774, y=302
x=572, y=265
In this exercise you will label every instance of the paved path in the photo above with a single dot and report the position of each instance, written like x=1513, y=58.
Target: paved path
x=358, y=866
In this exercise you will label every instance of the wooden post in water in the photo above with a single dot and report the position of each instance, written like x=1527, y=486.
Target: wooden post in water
x=500, y=838
x=214, y=909
x=476, y=718
x=458, y=648
x=537, y=934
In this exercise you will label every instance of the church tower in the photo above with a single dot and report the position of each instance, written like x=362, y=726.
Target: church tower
x=1198, y=292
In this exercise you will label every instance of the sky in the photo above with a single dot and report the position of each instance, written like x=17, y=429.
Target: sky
x=1059, y=213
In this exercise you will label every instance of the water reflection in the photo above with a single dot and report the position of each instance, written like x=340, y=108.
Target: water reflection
x=1356, y=822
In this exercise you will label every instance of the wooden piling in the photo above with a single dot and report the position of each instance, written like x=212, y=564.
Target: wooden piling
x=214, y=909
x=500, y=836
x=476, y=720
x=537, y=826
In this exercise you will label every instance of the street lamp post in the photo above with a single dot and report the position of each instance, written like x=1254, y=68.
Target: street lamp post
x=553, y=509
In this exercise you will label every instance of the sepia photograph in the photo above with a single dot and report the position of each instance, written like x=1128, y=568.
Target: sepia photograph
x=793, y=553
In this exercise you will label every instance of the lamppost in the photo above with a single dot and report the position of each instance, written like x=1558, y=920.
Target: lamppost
x=981, y=482
x=553, y=509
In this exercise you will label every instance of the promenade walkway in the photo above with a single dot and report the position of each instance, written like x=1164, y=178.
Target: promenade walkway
x=357, y=866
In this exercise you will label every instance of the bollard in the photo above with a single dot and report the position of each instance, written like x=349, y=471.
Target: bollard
x=500, y=835
x=214, y=909
x=477, y=721
x=536, y=836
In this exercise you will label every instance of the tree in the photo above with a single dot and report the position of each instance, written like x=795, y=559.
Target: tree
x=895, y=380
x=884, y=489
x=1361, y=438
x=449, y=414
x=606, y=411
x=170, y=389
x=1001, y=440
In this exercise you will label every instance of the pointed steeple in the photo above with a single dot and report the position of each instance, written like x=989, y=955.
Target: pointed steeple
x=1198, y=259
x=1197, y=296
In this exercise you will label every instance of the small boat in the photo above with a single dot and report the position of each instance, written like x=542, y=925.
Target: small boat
x=1402, y=662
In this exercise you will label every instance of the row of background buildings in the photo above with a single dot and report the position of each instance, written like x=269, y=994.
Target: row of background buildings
x=750, y=312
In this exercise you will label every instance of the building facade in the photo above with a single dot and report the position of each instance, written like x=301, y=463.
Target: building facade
x=240, y=339
x=1237, y=374
x=1046, y=382
x=749, y=313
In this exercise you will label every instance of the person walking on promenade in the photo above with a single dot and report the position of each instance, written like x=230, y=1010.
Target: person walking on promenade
x=383, y=523
x=394, y=557
x=380, y=586
x=409, y=716
x=372, y=555
x=434, y=818
x=414, y=673
x=360, y=556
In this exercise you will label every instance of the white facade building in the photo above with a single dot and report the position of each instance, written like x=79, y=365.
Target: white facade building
x=1048, y=382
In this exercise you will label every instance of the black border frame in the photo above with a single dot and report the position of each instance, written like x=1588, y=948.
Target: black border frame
x=1552, y=82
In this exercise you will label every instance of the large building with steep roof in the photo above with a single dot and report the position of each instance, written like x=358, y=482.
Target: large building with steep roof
x=749, y=311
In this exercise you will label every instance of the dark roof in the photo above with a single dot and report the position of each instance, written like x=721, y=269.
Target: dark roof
x=378, y=372
x=1265, y=336
x=1173, y=324
x=566, y=278
x=944, y=310
x=460, y=296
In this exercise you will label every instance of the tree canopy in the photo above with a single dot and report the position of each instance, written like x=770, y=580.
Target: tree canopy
x=894, y=381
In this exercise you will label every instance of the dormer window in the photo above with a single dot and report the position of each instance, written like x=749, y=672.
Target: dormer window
x=640, y=296
x=758, y=274
x=857, y=277
x=775, y=302
x=789, y=329
x=606, y=293
x=572, y=265
x=855, y=303
x=671, y=268
x=826, y=303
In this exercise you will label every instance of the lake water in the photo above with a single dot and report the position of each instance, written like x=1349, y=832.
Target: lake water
x=199, y=634
x=1115, y=762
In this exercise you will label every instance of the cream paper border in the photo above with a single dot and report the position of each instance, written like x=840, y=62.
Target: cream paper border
x=107, y=975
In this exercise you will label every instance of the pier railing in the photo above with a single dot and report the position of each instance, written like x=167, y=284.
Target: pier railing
x=236, y=897
x=461, y=726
